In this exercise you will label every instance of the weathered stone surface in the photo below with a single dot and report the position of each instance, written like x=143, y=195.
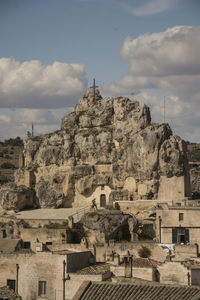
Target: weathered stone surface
x=17, y=198
x=105, y=146
x=102, y=225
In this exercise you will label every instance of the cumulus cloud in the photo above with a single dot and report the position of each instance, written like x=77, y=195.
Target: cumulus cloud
x=173, y=52
x=150, y=8
x=167, y=63
x=33, y=85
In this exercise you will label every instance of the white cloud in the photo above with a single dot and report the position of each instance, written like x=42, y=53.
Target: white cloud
x=33, y=85
x=168, y=63
x=18, y=122
x=150, y=8
x=4, y=119
x=173, y=52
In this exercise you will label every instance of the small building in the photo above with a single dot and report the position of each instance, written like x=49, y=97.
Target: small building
x=40, y=274
x=142, y=268
x=178, y=225
x=45, y=235
x=182, y=273
x=99, y=272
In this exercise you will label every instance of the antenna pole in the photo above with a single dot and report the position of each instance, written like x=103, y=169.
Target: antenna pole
x=32, y=129
x=164, y=109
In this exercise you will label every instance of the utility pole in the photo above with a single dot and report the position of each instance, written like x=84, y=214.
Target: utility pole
x=94, y=86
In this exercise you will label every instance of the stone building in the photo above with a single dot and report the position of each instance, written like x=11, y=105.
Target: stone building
x=179, y=273
x=41, y=274
x=178, y=225
x=142, y=268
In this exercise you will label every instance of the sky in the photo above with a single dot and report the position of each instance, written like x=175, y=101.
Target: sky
x=50, y=51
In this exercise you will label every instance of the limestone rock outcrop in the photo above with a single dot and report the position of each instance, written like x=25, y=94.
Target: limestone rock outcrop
x=108, y=149
x=17, y=198
x=103, y=225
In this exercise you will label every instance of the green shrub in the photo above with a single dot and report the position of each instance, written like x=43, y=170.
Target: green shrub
x=23, y=223
x=144, y=252
x=194, y=155
x=54, y=225
x=77, y=118
x=33, y=167
x=92, y=214
x=110, y=147
x=14, y=142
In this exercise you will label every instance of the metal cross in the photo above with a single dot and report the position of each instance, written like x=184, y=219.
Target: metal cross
x=94, y=86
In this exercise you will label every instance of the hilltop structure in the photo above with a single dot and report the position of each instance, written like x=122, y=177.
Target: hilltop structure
x=107, y=149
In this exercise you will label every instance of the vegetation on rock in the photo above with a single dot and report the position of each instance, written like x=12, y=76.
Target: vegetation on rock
x=144, y=252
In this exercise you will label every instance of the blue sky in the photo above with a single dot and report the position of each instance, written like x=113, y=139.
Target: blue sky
x=89, y=38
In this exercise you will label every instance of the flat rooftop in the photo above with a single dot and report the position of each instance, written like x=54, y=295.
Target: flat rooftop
x=49, y=213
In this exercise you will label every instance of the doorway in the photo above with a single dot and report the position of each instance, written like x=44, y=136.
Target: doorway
x=180, y=235
x=102, y=200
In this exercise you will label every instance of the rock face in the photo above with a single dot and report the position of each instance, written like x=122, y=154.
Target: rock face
x=108, y=149
x=103, y=225
x=17, y=198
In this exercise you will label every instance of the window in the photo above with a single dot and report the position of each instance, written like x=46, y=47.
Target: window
x=42, y=288
x=27, y=245
x=11, y=284
x=48, y=243
x=180, y=216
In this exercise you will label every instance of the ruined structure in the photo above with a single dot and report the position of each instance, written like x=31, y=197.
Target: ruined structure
x=108, y=149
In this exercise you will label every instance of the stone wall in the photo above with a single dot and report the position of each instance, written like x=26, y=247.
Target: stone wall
x=172, y=188
x=87, y=201
x=173, y=273
x=78, y=261
x=104, y=253
x=76, y=280
x=183, y=252
x=42, y=266
x=44, y=235
x=143, y=273
x=195, y=276
x=170, y=219
x=137, y=272
x=32, y=269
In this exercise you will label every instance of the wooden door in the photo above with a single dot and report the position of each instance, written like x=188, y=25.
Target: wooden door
x=103, y=200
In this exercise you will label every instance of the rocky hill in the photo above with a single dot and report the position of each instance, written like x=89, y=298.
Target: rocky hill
x=107, y=149
x=10, y=151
